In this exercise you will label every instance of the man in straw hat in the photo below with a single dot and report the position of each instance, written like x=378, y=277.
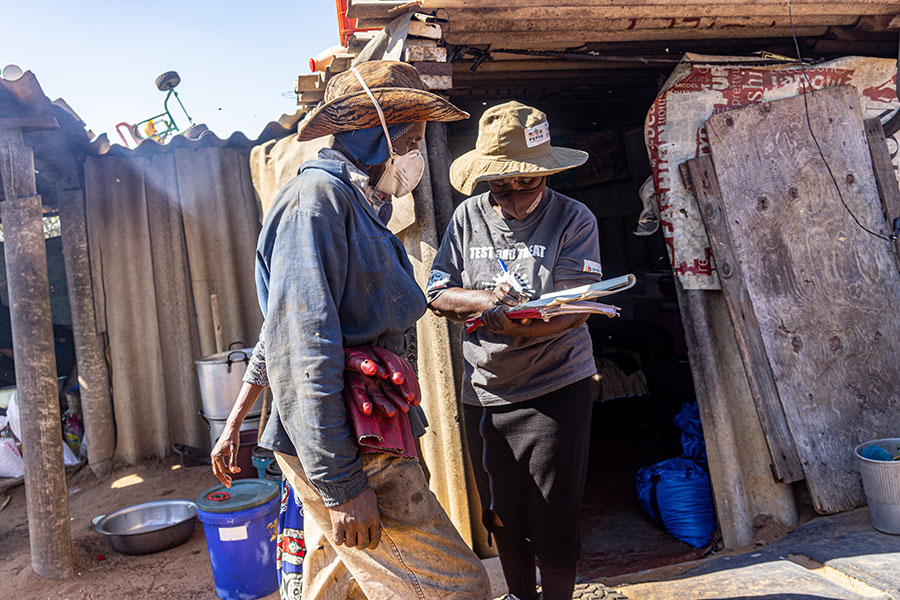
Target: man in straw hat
x=526, y=394
x=330, y=275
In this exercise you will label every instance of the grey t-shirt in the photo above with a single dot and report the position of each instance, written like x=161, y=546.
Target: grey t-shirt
x=558, y=241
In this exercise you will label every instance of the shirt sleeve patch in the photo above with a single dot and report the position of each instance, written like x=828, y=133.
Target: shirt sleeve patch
x=438, y=280
x=591, y=266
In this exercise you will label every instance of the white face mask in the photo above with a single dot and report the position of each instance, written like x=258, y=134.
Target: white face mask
x=401, y=173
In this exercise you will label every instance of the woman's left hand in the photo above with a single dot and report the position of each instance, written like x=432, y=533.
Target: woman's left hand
x=496, y=320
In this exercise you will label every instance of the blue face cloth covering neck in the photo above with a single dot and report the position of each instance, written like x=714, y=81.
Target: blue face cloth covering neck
x=369, y=146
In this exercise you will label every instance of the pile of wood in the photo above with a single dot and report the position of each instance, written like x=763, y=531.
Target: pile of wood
x=422, y=48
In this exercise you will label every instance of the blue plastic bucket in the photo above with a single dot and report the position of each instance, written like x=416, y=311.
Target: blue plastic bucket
x=262, y=458
x=241, y=527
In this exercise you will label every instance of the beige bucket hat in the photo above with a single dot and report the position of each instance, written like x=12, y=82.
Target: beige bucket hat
x=513, y=141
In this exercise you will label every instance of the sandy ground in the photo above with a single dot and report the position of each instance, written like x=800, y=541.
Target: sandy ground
x=182, y=573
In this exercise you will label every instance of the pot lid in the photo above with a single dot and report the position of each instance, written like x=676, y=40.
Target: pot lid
x=242, y=495
x=234, y=355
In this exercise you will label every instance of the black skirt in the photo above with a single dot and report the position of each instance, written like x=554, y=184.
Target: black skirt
x=530, y=461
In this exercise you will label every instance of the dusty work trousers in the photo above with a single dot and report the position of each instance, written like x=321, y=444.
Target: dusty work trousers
x=421, y=555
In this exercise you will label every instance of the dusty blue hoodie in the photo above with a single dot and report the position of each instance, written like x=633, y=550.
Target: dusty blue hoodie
x=329, y=274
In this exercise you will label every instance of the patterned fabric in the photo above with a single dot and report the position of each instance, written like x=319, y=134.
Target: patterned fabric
x=291, y=549
x=256, y=368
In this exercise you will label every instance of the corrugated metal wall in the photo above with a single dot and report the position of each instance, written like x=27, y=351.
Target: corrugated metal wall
x=166, y=228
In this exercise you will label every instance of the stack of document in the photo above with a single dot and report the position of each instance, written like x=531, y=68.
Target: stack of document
x=566, y=302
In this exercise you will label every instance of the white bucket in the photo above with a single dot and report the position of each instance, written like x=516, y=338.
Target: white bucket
x=217, y=426
x=221, y=377
x=881, y=481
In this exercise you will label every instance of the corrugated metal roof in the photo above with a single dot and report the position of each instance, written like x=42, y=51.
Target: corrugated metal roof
x=273, y=130
x=59, y=153
x=56, y=151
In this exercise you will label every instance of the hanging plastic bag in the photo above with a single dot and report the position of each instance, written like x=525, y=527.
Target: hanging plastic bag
x=12, y=412
x=69, y=458
x=11, y=464
x=692, y=441
x=675, y=494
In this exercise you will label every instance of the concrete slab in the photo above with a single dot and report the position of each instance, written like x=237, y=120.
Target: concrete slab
x=845, y=542
x=848, y=542
x=776, y=580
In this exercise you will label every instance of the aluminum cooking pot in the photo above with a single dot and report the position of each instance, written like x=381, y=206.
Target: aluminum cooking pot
x=221, y=377
x=148, y=527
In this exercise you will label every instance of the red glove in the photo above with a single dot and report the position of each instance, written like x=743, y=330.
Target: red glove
x=379, y=378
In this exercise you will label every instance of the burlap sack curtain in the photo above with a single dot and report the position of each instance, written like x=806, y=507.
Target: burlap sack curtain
x=166, y=228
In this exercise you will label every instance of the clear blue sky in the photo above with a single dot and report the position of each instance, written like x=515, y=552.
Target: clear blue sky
x=236, y=58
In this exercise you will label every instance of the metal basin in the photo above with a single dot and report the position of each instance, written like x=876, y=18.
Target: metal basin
x=148, y=527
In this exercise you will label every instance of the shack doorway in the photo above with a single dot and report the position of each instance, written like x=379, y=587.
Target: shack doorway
x=644, y=375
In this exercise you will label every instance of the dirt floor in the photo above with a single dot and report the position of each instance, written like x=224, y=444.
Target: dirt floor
x=182, y=573
x=617, y=537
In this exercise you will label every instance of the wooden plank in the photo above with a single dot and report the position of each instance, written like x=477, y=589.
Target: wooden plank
x=885, y=176
x=606, y=24
x=440, y=69
x=359, y=40
x=310, y=83
x=572, y=37
x=494, y=4
x=310, y=97
x=785, y=461
x=425, y=54
x=528, y=65
x=376, y=9
x=424, y=30
x=437, y=82
x=713, y=385
x=824, y=292
x=414, y=42
x=670, y=11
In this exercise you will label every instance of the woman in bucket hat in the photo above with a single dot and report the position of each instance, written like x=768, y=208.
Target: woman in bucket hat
x=526, y=393
x=330, y=275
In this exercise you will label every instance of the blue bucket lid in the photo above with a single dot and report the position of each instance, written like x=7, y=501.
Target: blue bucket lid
x=243, y=494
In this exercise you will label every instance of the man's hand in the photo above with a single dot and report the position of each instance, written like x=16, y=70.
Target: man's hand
x=224, y=455
x=356, y=523
x=505, y=294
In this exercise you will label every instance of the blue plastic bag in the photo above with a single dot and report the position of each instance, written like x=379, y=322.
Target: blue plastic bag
x=688, y=421
x=675, y=494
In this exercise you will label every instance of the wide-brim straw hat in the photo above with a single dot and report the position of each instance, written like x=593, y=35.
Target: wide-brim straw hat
x=396, y=86
x=513, y=141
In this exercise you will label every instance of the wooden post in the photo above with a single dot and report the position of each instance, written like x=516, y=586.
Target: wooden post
x=90, y=348
x=216, y=312
x=32, y=332
x=786, y=465
x=438, y=148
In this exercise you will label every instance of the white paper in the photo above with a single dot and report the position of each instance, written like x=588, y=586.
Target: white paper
x=233, y=534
